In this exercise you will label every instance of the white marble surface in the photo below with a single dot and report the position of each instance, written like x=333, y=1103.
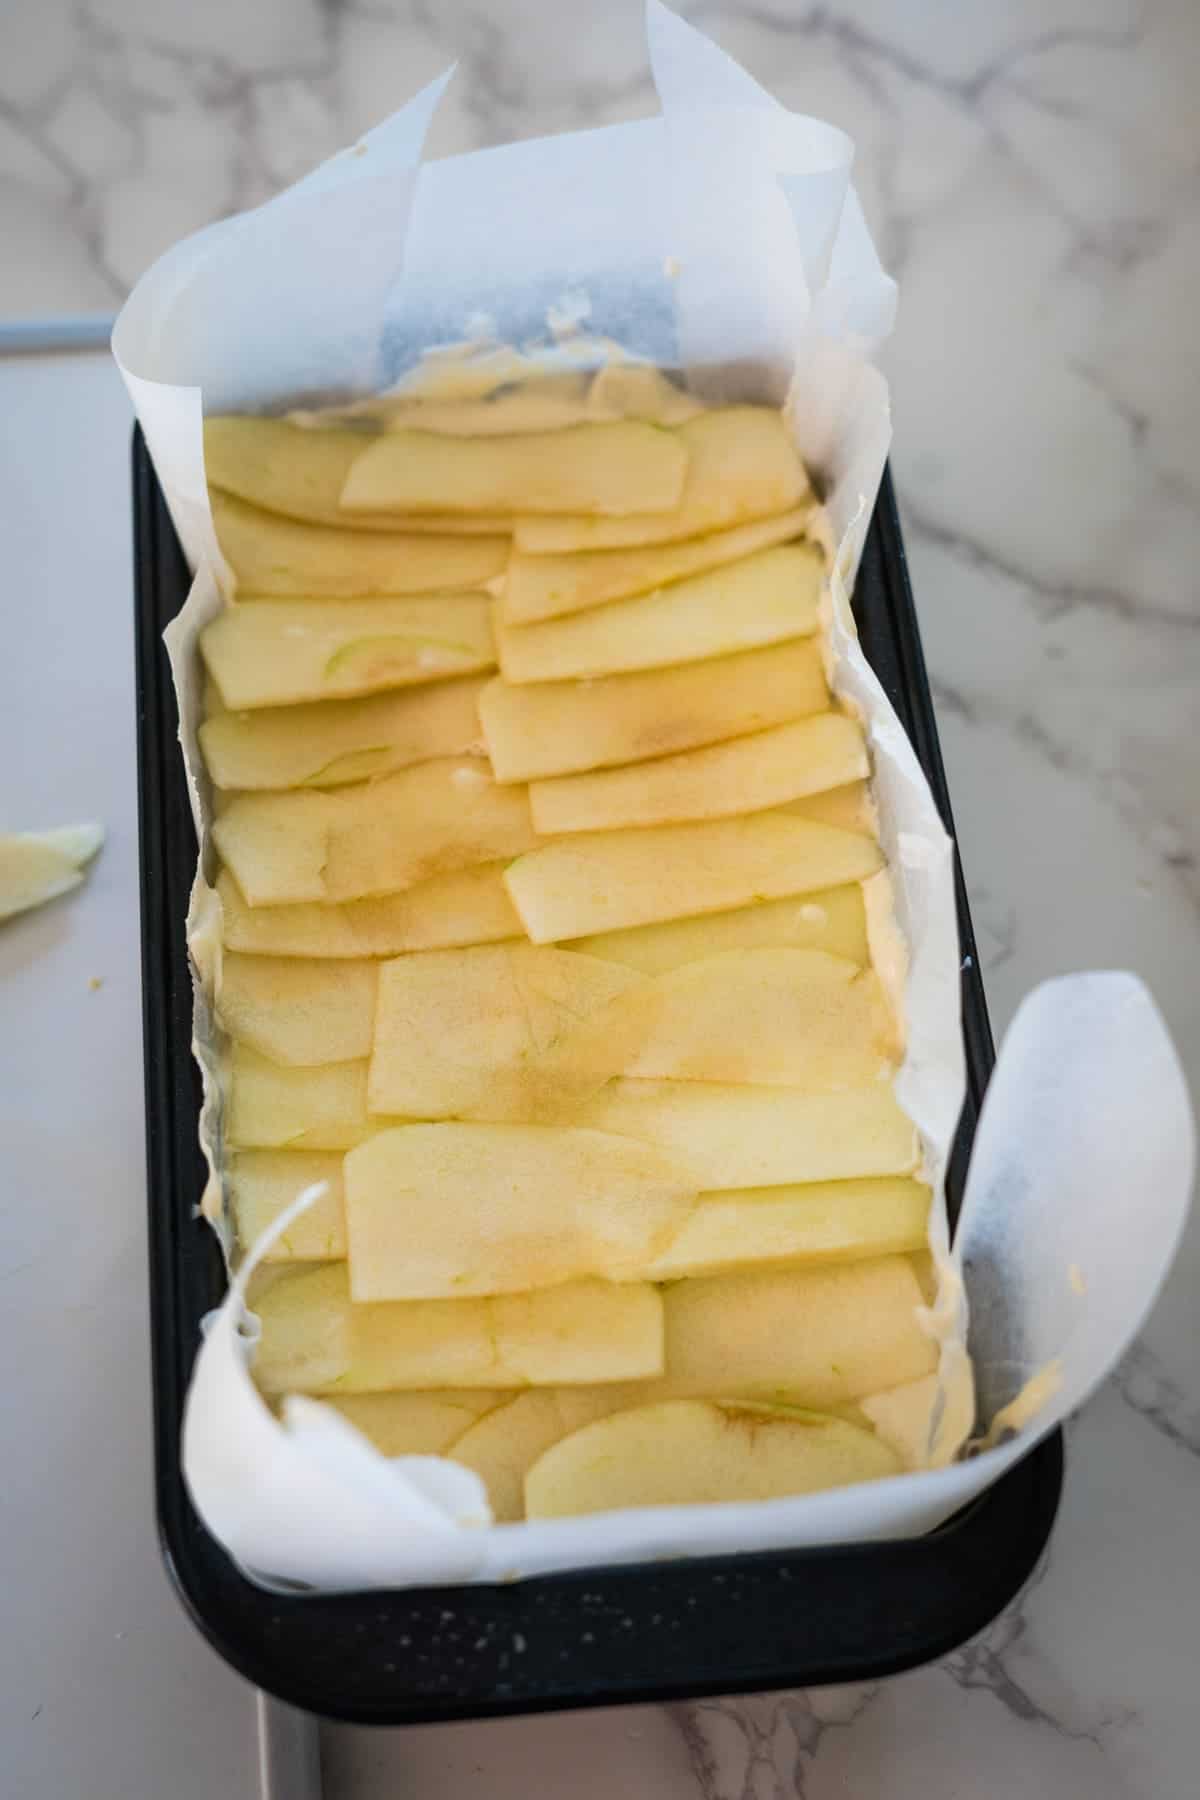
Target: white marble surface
x=1030, y=168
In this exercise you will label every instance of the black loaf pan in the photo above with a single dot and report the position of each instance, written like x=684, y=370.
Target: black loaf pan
x=710, y=1625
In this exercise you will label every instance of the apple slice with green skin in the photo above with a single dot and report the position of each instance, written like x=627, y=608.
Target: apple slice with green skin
x=503, y=1445
x=477, y=1030
x=36, y=866
x=418, y=1424
x=299, y=1013
x=315, y=1339
x=832, y=919
x=262, y=1183
x=623, y=467
x=273, y=1108
x=447, y=1211
x=764, y=599
x=562, y=728
x=297, y=650
x=329, y=743
x=273, y=557
x=747, y=774
x=734, y=1136
x=697, y=1452
x=469, y=906
x=549, y=587
x=611, y=880
x=817, y=1222
x=741, y=465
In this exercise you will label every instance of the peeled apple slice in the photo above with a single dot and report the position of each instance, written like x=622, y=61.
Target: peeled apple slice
x=504, y=1444
x=746, y=774
x=832, y=919
x=418, y=1424
x=271, y=556
x=548, y=587
x=327, y=650
x=262, y=1183
x=559, y=728
x=741, y=465
x=693, y=1452
x=278, y=466
x=274, y=1108
x=625, y=467
x=36, y=866
x=315, y=1339
x=763, y=599
x=447, y=1211
x=809, y=1223
x=610, y=880
x=299, y=1013
x=469, y=906
x=850, y=808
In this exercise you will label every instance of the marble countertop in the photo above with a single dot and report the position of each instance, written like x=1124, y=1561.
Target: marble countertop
x=1030, y=171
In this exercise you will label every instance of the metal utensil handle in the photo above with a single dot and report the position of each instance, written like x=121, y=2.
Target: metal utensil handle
x=289, y=1751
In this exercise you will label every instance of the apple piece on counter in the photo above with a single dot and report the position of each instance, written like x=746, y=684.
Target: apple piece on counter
x=733, y=1136
x=623, y=467
x=850, y=808
x=469, y=906
x=764, y=599
x=418, y=1424
x=271, y=556
x=746, y=774
x=610, y=880
x=832, y=919
x=549, y=587
x=328, y=743
x=299, y=1013
x=809, y=1337
x=504, y=1444
x=562, y=728
x=298, y=650
x=316, y=1339
x=455, y=1210
x=36, y=866
x=697, y=1452
x=461, y=1030
x=273, y=1108
x=816, y=1222
x=742, y=465
x=262, y=1183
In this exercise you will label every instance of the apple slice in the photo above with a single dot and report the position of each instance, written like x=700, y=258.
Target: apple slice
x=817, y=1222
x=458, y=1031
x=276, y=844
x=697, y=1452
x=559, y=728
x=741, y=465
x=832, y=919
x=625, y=467
x=418, y=1424
x=732, y=1137
x=763, y=599
x=299, y=1013
x=272, y=1108
x=327, y=650
x=549, y=587
x=36, y=866
x=470, y=906
x=747, y=774
x=316, y=1339
x=261, y=1183
x=504, y=1444
x=610, y=880
x=271, y=556
x=850, y=808
x=447, y=1211
x=329, y=743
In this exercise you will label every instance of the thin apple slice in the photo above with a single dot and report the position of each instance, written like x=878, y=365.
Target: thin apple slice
x=741, y=465
x=832, y=919
x=274, y=557
x=549, y=587
x=299, y=1013
x=329, y=743
x=275, y=844
x=448, y=1211
x=316, y=1339
x=328, y=650
x=747, y=774
x=764, y=599
x=697, y=1452
x=850, y=808
x=625, y=467
x=732, y=1137
x=470, y=906
x=504, y=1444
x=36, y=866
x=810, y=1223
x=561, y=728
x=610, y=880
x=419, y=1424
x=273, y=1108
x=262, y=1183
x=458, y=1031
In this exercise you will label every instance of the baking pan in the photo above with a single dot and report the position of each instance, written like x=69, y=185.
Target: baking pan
x=732, y=1624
